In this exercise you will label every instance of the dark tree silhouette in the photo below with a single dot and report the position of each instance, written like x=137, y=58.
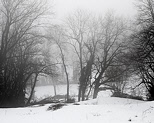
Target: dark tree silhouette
x=142, y=52
x=19, y=48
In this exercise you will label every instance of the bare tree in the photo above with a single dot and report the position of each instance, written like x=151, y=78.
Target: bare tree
x=97, y=42
x=19, y=48
x=141, y=53
x=57, y=37
x=77, y=27
x=43, y=66
x=83, y=34
x=145, y=12
x=110, y=46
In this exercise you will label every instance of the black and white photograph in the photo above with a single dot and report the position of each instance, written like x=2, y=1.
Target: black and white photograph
x=76, y=61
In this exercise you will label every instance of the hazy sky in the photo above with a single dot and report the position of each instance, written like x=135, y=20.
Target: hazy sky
x=121, y=7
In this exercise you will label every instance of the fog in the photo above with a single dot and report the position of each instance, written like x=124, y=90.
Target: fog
x=122, y=7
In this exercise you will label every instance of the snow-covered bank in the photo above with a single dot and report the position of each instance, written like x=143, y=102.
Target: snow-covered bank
x=100, y=110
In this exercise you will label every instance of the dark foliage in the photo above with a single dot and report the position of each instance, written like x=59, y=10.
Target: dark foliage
x=142, y=51
x=143, y=57
x=150, y=95
x=124, y=95
x=20, y=50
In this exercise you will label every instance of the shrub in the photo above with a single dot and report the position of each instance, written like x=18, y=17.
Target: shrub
x=70, y=100
x=150, y=95
x=124, y=95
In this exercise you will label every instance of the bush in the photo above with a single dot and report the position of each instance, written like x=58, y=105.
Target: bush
x=71, y=100
x=44, y=101
x=124, y=95
x=150, y=95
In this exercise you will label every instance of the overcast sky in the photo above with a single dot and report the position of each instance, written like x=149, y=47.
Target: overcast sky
x=122, y=7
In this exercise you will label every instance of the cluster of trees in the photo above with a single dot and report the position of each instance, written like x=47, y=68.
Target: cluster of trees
x=105, y=49
x=142, y=47
x=98, y=44
x=21, y=58
x=109, y=50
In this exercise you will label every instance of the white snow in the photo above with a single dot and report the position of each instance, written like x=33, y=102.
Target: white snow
x=104, y=109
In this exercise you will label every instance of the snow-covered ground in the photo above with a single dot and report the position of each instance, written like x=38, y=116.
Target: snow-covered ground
x=104, y=109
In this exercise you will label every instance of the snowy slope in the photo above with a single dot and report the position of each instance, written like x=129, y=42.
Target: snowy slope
x=100, y=110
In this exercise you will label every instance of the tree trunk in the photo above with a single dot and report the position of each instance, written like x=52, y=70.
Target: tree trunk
x=96, y=89
x=89, y=92
x=32, y=91
x=65, y=69
x=67, y=87
x=67, y=96
x=81, y=85
x=83, y=93
x=54, y=86
x=79, y=94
